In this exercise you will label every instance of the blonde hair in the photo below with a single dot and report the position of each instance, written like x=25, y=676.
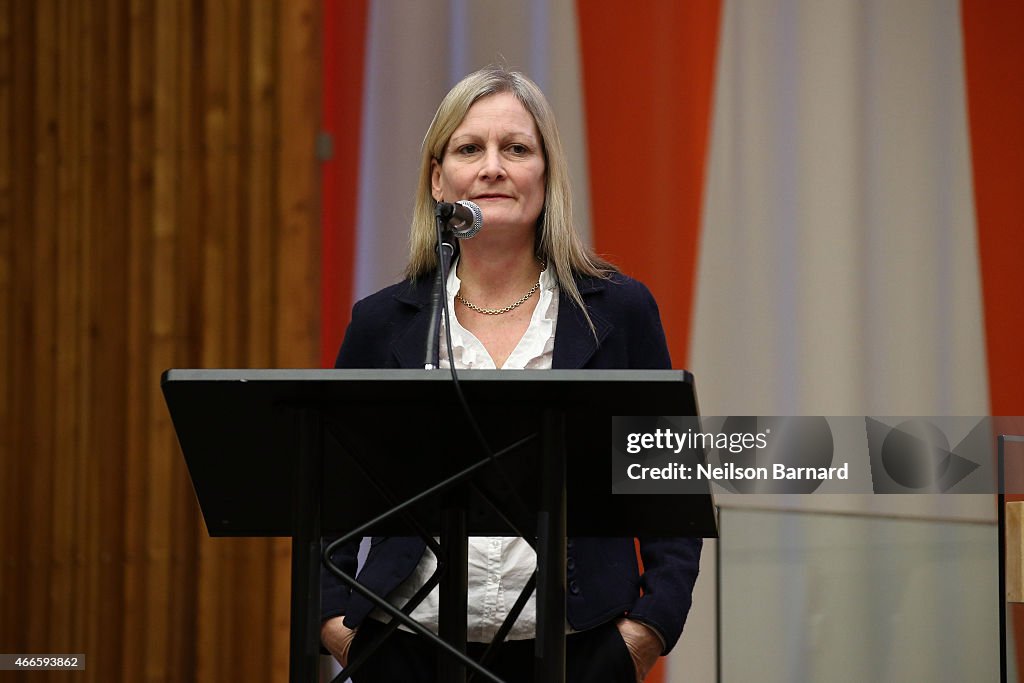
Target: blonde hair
x=558, y=244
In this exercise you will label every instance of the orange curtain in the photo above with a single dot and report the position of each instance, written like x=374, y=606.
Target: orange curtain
x=648, y=72
x=994, y=60
x=344, y=48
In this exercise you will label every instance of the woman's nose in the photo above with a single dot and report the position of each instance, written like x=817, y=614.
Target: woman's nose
x=492, y=166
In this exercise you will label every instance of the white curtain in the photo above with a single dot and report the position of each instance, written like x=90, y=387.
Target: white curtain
x=838, y=275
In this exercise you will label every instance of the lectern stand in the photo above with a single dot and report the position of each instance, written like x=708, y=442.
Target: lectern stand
x=306, y=453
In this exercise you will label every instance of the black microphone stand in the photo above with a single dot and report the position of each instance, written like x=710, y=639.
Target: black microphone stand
x=454, y=531
x=439, y=297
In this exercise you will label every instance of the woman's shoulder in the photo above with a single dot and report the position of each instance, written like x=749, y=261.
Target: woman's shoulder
x=627, y=285
x=616, y=289
x=626, y=311
x=377, y=320
x=393, y=298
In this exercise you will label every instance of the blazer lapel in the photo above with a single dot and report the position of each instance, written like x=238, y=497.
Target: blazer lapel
x=410, y=344
x=574, y=341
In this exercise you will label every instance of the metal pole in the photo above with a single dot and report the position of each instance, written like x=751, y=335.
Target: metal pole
x=305, y=607
x=452, y=617
x=549, y=664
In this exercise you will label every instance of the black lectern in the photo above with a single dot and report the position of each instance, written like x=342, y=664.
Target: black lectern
x=302, y=453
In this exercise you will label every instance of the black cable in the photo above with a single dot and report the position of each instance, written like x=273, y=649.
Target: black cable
x=464, y=404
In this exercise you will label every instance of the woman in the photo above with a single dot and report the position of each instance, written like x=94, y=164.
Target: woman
x=524, y=293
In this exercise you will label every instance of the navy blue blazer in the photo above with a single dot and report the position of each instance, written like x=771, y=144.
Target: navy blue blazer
x=388, y=330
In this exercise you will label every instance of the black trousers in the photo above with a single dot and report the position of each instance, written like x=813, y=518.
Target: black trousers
x=595, y=656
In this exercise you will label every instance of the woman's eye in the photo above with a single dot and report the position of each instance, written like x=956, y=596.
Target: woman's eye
x=468, y=149
x=518, y=149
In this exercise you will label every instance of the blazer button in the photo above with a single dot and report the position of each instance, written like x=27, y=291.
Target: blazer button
x=574, y=588
x=570, y=563
x=568, y=544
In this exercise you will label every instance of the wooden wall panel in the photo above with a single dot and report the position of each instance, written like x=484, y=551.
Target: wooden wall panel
x=158, y=208
x=9, y=467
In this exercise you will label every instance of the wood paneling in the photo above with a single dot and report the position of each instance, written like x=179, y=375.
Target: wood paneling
x=158, y=208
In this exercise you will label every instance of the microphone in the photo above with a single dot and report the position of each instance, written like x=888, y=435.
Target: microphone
x=463, y=217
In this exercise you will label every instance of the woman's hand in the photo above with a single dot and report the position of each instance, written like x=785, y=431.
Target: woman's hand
x=643, y=644
x=337, y=638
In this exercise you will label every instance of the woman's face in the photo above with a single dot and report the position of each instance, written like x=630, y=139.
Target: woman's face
x=495, y=158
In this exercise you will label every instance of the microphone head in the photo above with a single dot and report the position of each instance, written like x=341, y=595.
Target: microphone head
x=466, y=230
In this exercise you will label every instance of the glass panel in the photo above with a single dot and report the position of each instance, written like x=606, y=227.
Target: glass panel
x=825, y=597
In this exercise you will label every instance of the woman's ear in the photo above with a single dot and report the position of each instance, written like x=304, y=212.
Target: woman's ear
x=435, y=180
